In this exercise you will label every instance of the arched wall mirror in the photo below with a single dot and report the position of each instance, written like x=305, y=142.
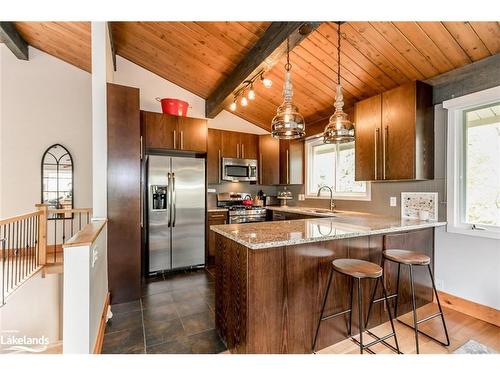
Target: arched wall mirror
x=57, y=179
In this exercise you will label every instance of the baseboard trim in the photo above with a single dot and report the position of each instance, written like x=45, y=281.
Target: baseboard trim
x=476, y=310
x=102, y=326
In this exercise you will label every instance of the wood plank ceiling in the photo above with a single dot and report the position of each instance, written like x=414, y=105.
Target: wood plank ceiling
x=198, y=56
x=68, y=41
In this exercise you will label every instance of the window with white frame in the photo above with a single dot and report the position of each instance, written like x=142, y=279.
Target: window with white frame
x=473, y=171
x=333, y=165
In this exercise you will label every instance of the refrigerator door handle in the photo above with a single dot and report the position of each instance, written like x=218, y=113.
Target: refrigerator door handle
x=173, y=202
x=169, y=200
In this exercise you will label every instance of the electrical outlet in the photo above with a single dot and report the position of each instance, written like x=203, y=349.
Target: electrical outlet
x=439, y=284
x=393, y=201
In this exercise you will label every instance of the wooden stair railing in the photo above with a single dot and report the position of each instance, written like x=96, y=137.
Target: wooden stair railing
x=33, y=240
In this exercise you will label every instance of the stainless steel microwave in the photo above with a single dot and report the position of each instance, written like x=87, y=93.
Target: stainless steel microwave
x=239, y=169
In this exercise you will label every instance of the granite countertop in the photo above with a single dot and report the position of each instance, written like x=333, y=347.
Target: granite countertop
x=309, y=211
x=293, y=232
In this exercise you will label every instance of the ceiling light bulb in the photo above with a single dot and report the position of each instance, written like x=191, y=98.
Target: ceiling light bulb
x=244, y=101
x=251, y=94
x=266, y=82
x=232, y=107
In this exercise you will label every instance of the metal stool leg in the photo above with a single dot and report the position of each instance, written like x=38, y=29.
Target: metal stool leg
x=330, y=277
x=415, y=324
x=439, y=306
x=390, y=318
x=349, y=332
x=397, y=292
x=371, y=303
x=360, y=317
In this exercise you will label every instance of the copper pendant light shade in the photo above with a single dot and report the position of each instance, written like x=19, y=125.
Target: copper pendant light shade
x=339, y=128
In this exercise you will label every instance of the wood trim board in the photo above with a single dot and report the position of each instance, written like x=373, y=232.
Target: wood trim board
x=476, y=310
x=102, y=327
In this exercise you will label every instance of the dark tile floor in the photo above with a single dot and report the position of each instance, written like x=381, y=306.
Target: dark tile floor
x=176, y=314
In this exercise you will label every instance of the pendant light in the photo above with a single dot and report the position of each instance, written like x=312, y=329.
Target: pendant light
x=339, y=128
x=288, y=122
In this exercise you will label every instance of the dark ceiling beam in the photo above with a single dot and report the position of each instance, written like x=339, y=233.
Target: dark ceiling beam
x=268, y=50
x=112, y=43
x=13, y=40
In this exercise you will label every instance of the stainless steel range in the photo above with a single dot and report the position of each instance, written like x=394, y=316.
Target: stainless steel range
x=240, y=208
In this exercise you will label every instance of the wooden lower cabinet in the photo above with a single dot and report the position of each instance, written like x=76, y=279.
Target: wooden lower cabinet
x=269, y=300
x=214, y=218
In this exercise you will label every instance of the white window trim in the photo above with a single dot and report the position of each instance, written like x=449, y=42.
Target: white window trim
x=339, y=196
x=455, y=160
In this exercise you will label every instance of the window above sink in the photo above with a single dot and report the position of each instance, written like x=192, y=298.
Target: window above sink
x=333, y=165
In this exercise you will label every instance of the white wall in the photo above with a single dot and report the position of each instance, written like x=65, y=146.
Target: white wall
x=34, y=309
x=42, y=101
x=100, y=72
x=85, y=291
x=468, y=267
x=153, y=86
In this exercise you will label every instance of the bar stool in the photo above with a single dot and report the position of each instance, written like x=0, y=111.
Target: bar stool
x=359, y=270
x=413, y=259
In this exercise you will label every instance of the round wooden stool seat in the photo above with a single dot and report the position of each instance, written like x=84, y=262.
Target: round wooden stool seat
x=357, y=268
x=407, y=257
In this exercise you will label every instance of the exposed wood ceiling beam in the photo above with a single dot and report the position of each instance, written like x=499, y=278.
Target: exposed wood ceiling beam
x=13, y=40
x=268, y=50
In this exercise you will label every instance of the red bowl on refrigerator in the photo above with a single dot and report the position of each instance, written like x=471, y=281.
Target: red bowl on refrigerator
x=174, y=107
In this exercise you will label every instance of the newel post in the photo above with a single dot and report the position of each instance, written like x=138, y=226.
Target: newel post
x=42, y=234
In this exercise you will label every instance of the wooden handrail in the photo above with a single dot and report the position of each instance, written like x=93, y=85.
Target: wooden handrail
x=69, y=210
x=19, y=217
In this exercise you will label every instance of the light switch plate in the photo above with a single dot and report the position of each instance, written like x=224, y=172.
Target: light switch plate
x=393, y=201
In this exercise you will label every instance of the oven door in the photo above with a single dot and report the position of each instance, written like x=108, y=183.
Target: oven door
x=239, y=169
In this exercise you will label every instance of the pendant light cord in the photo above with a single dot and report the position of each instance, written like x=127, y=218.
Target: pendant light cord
x=338, y=53
x=288, y=66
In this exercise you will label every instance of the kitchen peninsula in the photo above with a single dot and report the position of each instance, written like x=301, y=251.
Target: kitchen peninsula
x=271, y=277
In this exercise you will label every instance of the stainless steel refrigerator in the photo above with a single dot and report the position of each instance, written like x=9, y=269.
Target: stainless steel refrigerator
x=176, y=212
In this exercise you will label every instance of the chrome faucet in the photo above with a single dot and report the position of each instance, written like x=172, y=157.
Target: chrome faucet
x=332, y=203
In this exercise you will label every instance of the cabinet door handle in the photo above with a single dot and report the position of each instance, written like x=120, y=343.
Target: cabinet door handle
x=385, y=140
x=260, y=169
x=175, y=139
x=377, y=131
x=140, y=148
x=182, y=140
x=287, y=167
x=219, y=162
x=237, y=150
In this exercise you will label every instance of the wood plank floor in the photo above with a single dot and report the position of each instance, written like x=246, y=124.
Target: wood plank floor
x=461, y=328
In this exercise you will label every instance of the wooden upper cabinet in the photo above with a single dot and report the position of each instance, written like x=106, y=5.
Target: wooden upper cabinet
x=269, y=160
x=368, y=122
x=214, y=153
x=230, y=144
x=192, y=134
x=395, y=135
x=291, y=162
x=159, y=130
x=249, y=146
x=174, y=133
